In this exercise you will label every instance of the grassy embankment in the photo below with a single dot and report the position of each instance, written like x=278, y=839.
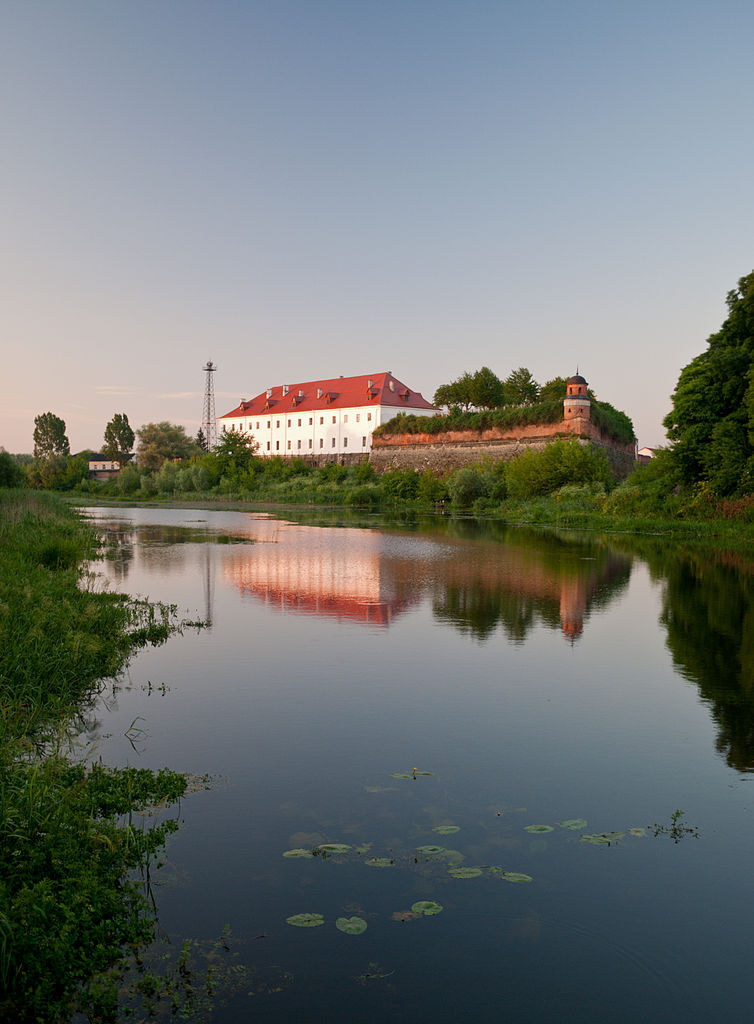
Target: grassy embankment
x=565, y=485
x=70, y=837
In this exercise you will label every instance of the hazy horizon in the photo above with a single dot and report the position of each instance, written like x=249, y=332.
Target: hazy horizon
x=298, y=191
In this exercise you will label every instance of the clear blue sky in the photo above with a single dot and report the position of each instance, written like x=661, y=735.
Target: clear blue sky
x=311, y=188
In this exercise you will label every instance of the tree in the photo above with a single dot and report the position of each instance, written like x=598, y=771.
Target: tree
x=161, y=441
x=201, y=440
x=235, y=450
x=553, y=390
x=711, y=423
x=521, y=387
x=119, y=439
x=488, y=389
x=11, y=474
x=49, y=436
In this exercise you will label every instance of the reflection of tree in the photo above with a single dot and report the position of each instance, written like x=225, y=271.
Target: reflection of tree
x=708, y=611
x=528, y=579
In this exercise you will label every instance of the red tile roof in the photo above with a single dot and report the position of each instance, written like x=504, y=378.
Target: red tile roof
x=336, y=393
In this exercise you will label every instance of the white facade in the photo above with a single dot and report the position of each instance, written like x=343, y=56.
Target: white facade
x=323, y=418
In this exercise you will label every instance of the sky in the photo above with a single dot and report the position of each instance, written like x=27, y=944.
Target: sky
x=303, y=189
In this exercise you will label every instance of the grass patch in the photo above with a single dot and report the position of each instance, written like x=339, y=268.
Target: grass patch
x=76, y=844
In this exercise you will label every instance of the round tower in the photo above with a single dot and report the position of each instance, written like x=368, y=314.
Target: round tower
x=577, y=403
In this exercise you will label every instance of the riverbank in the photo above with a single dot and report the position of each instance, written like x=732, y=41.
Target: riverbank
x=572, y=510
x=71, y=835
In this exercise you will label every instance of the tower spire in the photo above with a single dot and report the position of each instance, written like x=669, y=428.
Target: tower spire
x=209, y=420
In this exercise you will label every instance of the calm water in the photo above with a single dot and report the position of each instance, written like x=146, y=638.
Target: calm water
x=539, y=678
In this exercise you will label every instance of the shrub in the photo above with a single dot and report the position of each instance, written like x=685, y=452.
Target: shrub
x=11, y=474
x=465, y=486
x=562, y=462
x=400, y=484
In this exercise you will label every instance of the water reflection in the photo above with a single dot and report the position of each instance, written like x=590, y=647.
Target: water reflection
x=708, y=613
x=475, y=585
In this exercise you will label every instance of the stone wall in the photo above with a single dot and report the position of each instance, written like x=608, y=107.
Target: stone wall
x=453, y=449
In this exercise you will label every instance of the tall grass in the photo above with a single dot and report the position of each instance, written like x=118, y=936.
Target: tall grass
x=67, y=903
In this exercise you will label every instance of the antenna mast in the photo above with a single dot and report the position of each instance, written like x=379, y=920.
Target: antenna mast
x=209, y=421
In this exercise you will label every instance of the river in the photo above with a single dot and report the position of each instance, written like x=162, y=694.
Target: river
x=549, y=736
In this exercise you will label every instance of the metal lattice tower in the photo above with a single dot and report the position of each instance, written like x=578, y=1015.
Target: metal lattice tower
x=209, y=422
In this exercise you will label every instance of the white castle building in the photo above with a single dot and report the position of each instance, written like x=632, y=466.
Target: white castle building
x=323, y=417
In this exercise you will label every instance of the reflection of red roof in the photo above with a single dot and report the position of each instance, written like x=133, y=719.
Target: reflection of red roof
x=374, y=613
x=336, y=393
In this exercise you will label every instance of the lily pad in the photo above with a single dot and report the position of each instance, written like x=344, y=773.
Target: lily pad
x=306, y=920
x=516, y=876
x=637, y=832
x=446, y=830
x=427, y=907
x=574, y=824
x=417, y=772
x=333, y=847
x=351, y=925
x=539, y=828
x=401, y=775
x=365, y=848
x=380, y=862
x=300, y=852
x=465, y=872
x=430, y=850
x=596, y=840
x=453, y=857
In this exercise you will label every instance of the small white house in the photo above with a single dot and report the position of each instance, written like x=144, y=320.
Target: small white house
x=102, y=468
x=645, y=456
x=323, y=417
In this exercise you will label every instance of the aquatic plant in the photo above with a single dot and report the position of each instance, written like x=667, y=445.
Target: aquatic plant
x=427, y=907
x=351, y=925
x=465, y=872
x=516, y=876
x=430, y=851
x=575, y=824
x=330, y=848
x=676, y=830
x=300, y=852
x=380, y=862
x=446, y=830
x=305, y=920
x=538, y=829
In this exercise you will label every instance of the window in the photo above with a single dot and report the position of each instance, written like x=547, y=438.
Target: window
x=289, y=446
x=277, y=423
x=363, y=442
x=369, y=415
x=335, y=419
x=277, y=446
x=357, y=418
x=310, y=421
x=345, y=418
x=289, y=423
x=257, y=424
x=321, y=420
x=269, y=424
x=310, y=442
x=299, y=446
x=225, y=429
x=322, y=442
x=345, y=442
x=333, y=442
x=268, y=446
x=299, y=422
